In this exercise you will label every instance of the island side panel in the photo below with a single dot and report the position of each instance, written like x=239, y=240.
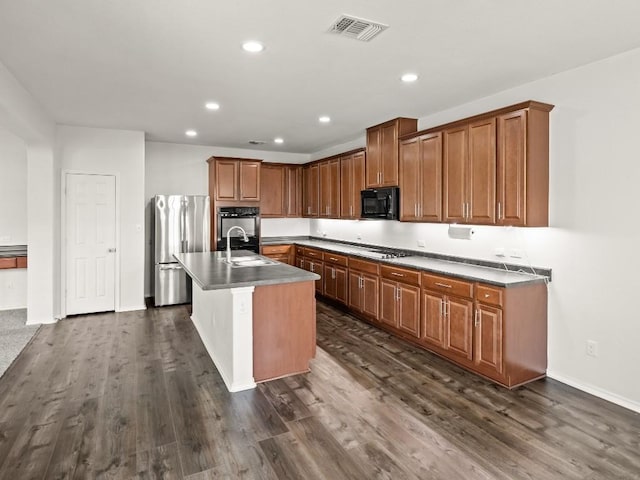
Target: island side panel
x=284, y=329
x=223, y=319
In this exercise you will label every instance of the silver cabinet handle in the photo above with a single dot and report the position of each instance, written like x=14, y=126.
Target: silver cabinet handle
x=441, y=307
x=447, y=309
x=477, y=322
x=415, y=209
x=397, y=274
x=499, y=210
x=333, y=273
x=312, y=269
x=360, y=282
x=442, y=285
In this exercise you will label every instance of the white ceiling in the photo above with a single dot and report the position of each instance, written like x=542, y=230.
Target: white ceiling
x=151, y=64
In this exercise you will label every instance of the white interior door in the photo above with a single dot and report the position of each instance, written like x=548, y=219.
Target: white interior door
x=91, y=243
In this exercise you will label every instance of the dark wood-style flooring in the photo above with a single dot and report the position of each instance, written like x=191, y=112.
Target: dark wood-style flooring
x=136, y=395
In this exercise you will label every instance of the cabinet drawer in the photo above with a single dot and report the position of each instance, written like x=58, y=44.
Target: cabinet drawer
x=9, y=262
x=273, y=249
x=364, y=266
x=308, y=252
x=335, y=259
x=279, y=257
x=447, y=285
x=490, y=295
x=21, y=262
x=400, y=274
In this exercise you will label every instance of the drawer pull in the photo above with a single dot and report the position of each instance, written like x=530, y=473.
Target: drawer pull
x=397, y=274
x=334, y=259
x=486, y=295
x=443, y=285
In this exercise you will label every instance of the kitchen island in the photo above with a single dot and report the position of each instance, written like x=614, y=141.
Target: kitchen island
x=256, y=318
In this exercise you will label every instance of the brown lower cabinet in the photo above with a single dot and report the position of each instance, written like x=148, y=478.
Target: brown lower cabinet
x=281, y=253
x=500, y=333
x=364, y=287
x=335, y=277
x=400, y=299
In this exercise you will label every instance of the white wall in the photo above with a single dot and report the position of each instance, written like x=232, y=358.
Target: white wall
x=172, y=169
x=594, y=178
x=13, y=216
x=21, y=115
x=118, y=152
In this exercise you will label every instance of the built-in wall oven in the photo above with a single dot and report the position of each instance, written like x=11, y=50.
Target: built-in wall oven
x=246, y=217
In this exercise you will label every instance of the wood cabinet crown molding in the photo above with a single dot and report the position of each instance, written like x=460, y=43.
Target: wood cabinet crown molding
x=544, y=107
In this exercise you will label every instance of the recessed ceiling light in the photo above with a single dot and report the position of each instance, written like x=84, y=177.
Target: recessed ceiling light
x=324, y=119
x=191, y=133
x=252, y=47
x=278, y=140
x=212, y=106
x=409, y=77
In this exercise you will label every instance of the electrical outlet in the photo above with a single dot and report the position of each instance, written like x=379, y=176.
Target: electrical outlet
x=592, y=348
x=358, y=236
x=515, y=253
x=324, y=234
x=422, y=244
x=498, y=252
x=10, y=285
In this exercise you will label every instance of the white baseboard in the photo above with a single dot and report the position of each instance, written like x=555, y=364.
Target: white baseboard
x=596, y=391
x=131, y=309
x=14, y=307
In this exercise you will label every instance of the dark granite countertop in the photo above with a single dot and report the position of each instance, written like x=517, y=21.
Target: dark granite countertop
x=13, y=251
x=467, y=271
x=210, y=272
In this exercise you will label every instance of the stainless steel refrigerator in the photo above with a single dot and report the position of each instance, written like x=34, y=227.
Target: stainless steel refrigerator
x=181, y=224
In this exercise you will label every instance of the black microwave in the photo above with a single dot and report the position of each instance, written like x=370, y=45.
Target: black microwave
x=382, y=203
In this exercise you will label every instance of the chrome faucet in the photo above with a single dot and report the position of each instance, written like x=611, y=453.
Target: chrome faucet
x=244, y=239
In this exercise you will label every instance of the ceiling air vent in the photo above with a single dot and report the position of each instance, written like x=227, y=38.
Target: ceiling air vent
x=357, y=28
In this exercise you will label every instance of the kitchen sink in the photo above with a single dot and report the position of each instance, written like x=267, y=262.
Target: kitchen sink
x=250, y=261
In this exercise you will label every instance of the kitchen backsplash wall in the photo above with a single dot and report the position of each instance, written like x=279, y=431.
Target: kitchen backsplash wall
x=515, y=243
x=284, y=227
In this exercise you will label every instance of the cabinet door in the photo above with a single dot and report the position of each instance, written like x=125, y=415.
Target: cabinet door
x=454, y=165
x=459, y=328
x=334, y=188
x=249, y=181
x=488, y=344
x=342, y=287
x=410, y=178
x=409, y=309
x=511, y=198
x=388, y=303
x=373, y=157
x=293, y=192
x=226, y=180
x=273, y=187
x=329, y=281
x=310, y=191
x=358, y=182
x=324, y=171
x=433, y=319
x=430, y=200
x=346, y=184
x=370, y=295
x=355, y=291
x=389, y=155
x=482, y=172
x=316, y=267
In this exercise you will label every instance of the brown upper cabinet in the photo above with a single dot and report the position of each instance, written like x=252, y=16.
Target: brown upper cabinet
x=421, y=178
x=329, y=174
x=382, y=151
x=469, y=172
x=352, y=182
x=234, y=180
x=310, y=190
x=495, y=169
x=523, y=166
x=281, y=190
